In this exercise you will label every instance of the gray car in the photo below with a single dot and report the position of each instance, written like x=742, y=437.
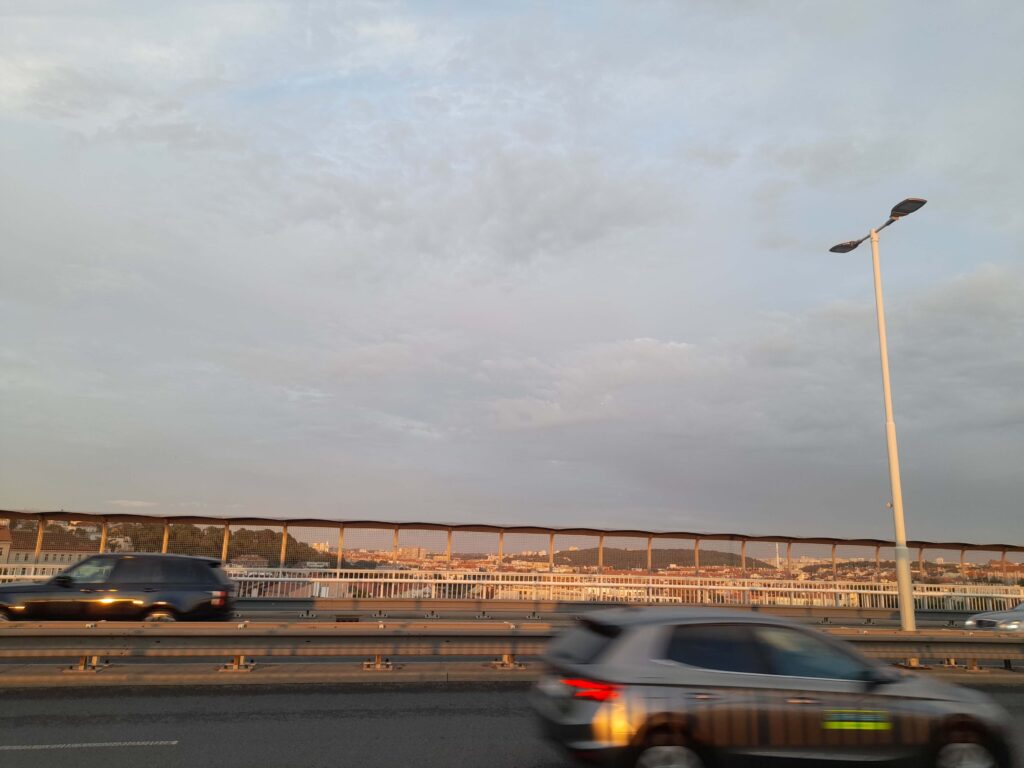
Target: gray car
x=691, y=688
x=1003, y=621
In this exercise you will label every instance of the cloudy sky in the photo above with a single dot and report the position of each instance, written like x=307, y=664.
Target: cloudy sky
x=559, y=263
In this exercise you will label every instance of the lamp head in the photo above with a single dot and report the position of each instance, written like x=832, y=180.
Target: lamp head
x=845, y=247
x=906, y=207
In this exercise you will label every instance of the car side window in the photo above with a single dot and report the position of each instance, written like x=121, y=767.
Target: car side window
x=793, y=653
x=725, y=647
x=179, y=571
x=138, y=570
x=95, y=570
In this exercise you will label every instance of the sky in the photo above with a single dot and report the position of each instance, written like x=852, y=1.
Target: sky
x=516, y=263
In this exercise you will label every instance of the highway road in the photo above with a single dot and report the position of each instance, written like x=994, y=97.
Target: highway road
x=369, y=726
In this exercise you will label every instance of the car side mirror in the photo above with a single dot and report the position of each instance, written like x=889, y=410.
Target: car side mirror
x=878, y=676
x=62, y=581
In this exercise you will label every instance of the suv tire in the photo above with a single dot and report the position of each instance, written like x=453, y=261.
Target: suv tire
x=663, y=751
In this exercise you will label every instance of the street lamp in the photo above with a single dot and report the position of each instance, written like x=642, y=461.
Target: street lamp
x=904, y=586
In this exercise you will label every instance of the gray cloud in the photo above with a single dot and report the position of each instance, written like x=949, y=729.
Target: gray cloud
x=542, y=264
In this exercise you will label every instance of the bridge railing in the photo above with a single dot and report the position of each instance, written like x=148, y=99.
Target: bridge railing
x=591, y=588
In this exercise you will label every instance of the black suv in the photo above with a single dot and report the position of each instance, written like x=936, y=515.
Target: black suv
x=125, y=586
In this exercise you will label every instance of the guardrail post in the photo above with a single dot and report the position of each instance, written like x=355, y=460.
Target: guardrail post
x=167, y=537
x=238, y=663
x=87, y=663
x=224, y=544
x=341, y=547
x=284, y=544
x=103, y=537
x=39, y=540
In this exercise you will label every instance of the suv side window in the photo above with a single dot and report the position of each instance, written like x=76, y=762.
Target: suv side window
x=95, y=570
x=793, y=653
x=725, y=647
x=138, y=570
x=179, y=571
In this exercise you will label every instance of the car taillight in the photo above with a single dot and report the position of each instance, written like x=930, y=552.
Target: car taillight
x=219, y=597
x=591, y=689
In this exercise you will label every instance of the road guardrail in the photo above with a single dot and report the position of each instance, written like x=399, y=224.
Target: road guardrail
x=505, y=642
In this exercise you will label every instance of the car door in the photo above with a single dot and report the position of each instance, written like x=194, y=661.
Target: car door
x=714, y=674
x=821, y=707
x=134, y=583
x=80, y=587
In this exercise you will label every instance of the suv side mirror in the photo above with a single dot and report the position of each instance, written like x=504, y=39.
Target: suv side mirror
x=62, y=580
x=878, y=676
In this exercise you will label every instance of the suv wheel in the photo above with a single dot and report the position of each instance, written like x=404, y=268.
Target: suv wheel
x=965, y=754
x=160, y=614
x=668, y=756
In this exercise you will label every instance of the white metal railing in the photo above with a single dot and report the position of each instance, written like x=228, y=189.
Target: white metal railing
x=571, y=587
x=271, y=583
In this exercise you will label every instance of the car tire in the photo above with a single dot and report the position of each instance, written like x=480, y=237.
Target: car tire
x=665, y=751
x=965, y=748
x=160, y=614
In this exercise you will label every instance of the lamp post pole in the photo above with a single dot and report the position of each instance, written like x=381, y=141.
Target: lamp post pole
x=904, y=586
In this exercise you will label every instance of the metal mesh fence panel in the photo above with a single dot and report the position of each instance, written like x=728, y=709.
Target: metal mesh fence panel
x=766, y=559
x=423, y=549
x=625, y=555
x=67, y=542
x=936, y=566
x=254, y=547
x=135, y=536
x=475, y=551
x=312, y=548
x=673, y=557
x=367, y=548
x=195, y=540
x=18, y=540
x=855, y=564
x=526, y=552
x=1015, y=573
x=721, y=559
x=576, y=554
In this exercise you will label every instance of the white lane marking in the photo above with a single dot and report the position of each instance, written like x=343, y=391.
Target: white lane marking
x=88, y=745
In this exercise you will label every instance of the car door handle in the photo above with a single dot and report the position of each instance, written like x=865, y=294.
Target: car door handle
x=801, y=700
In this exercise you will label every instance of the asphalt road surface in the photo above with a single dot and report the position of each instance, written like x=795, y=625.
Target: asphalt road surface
x=386, y=726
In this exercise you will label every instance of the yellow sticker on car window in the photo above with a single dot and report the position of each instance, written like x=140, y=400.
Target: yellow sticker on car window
x=856, y=720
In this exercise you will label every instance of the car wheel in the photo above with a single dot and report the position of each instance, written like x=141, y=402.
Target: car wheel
x=965, y=751
x=161, y=614
x=668, y=756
